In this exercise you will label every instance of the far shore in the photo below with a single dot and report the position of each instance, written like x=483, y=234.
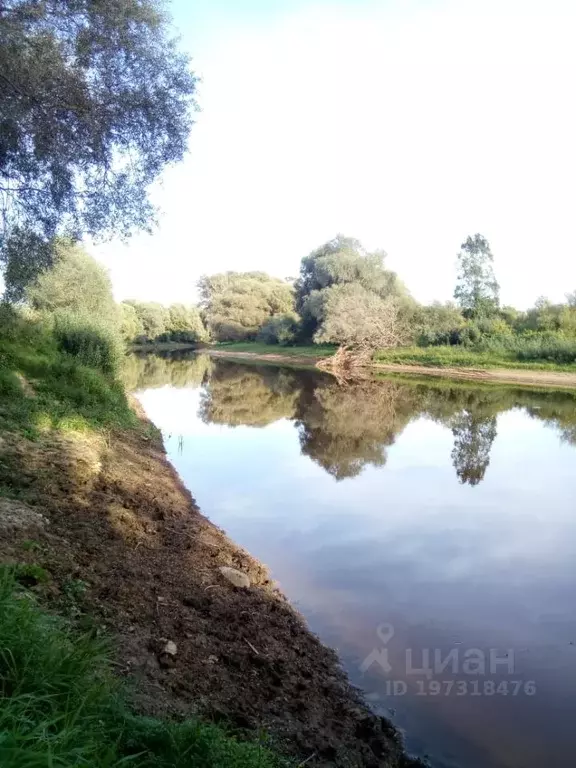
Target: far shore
x=309, y=357
x=163, y=346
x=524, y=376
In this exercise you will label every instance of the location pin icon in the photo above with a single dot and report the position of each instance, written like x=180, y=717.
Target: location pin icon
x=385, y=632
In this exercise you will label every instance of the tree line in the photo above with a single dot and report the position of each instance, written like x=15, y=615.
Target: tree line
x=344, y=295
x=96, y=100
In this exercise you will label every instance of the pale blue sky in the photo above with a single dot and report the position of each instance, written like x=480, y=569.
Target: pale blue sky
x=406, y=124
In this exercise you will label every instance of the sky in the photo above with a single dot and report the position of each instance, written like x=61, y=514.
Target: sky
x=408, y=124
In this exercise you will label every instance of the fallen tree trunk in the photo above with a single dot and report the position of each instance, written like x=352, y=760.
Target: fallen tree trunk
x=347, y=363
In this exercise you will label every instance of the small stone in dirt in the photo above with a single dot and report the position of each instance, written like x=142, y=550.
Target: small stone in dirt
x=237, y=578
x=212, y=659
x=167, y=655
x=170, y=648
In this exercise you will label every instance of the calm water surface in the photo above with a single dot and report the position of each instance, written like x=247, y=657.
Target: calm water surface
x=417, y=528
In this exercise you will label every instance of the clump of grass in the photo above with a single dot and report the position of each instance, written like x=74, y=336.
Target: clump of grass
x=93, y=343
x=60, y=705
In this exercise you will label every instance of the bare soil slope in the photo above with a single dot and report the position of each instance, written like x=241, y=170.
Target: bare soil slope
x=120, y=534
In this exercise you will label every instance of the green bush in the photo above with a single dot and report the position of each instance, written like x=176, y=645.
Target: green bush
x=91, y=342
x=280, y=329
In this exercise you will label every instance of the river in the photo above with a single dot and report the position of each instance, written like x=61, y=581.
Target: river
x=426, y=532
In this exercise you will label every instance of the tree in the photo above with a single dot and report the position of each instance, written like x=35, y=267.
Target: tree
x=477, y=290
x=131, y=326
x=185, y=324
x=237, y=304
x=153, y=316
x=95, y=100
x=341, y=261
x=571, y=299
x=353, y=316
x=76, y=282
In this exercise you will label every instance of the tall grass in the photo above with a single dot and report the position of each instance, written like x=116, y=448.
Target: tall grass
x=490, y=356
x=93, y=342
x=544, y=347
x=67, y=388
x=61, y=706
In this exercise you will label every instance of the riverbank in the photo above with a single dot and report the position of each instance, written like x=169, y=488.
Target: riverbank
x=98, y=517
x=538, y=375
x=163, y=346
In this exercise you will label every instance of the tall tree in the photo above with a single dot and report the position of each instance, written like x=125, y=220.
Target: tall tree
x=477, y=290
x=95, y=100
x=341, y=261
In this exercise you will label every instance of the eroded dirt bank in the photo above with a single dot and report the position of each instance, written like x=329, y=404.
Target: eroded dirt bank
x=125, y=543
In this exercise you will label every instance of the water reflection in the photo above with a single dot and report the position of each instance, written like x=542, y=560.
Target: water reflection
x=345, y=428
x=446, y=511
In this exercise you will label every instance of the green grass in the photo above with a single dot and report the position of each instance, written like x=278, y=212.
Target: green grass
x=259, y=348
x=461, y=357
x=60, y=705
x=43, y=387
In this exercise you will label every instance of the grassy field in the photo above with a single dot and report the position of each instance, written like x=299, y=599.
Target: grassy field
x=461, y=357
x=62, y=706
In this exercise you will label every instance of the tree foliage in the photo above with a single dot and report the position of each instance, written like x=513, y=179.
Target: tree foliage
x=75, y=283
x=342, y=261
x=185, y=324
x=131, y=326
x=280, y=329
x=477, y=290
x=437, y=323
x=152, y=316
x=95, y=100
x=148, y=321
x=237, y=304
x=352, y=316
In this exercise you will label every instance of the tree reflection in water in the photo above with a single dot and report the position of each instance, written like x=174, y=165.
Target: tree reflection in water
x=345, y=428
